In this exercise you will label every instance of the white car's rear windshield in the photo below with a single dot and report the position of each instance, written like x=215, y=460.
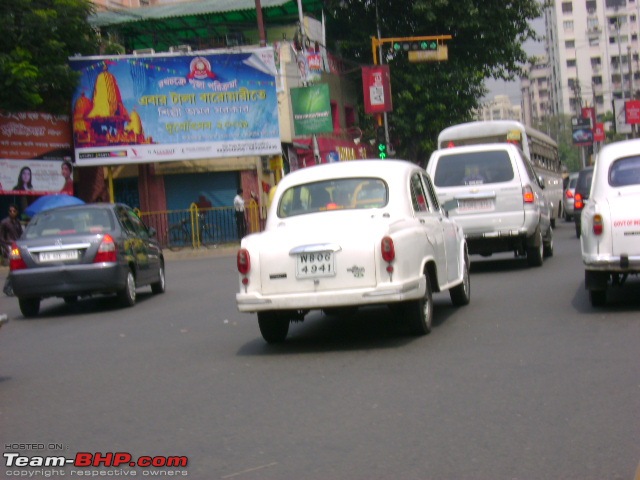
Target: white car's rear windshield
x=337, y=194
x=625, y=171
x=473, y=168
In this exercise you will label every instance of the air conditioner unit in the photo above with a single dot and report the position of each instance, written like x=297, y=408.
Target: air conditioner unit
x=144, y=51
x=180, y=49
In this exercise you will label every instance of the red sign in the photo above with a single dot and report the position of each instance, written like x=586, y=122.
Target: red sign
x=632, y=111
x=598, y=133
x=28, y=135
x=376, y=86
x=589, y=112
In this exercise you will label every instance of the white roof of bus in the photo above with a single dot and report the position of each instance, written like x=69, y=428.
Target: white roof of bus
x=493, y=127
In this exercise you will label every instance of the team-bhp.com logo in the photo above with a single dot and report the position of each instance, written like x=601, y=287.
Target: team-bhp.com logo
x=86, y=459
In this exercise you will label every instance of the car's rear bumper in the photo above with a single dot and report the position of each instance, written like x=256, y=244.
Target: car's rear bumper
x=389, y=293
x=612, y=263
x=68, y=280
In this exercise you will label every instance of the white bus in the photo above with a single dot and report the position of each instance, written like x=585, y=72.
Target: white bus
x=541, y=150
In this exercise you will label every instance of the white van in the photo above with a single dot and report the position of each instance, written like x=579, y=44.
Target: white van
x=496, y=197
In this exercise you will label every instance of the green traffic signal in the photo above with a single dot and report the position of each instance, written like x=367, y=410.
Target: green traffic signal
x=382, y=150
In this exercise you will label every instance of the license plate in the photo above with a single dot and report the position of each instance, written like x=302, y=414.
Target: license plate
x=58, y=256
x=316, y=264
x=480, y=205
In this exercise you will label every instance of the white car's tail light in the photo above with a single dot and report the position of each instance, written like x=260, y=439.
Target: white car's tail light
x=527, y=194
x=597, y=224
x=106, y=250
x=15, y=259
x=388, y=252
x=243, y=261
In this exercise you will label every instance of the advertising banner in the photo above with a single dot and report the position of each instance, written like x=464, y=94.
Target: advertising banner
x=599, y=133
x=168, y=107
x=376, y=86
x=632, y=112
x=582, y=133
x=311, y=109
x=35, y=135
x=35, y=177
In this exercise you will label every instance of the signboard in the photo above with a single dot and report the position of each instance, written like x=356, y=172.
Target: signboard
x=311, y=109
x=376, y=85
x=582, y=133
x=632, y=112
x=175, y=106
x=620, y=117
x=33, y=177
x=26, y=135
x=599, y=133
x=441, y=54
x=590, y=113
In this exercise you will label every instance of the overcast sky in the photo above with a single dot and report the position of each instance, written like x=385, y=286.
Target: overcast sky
x=512, y=89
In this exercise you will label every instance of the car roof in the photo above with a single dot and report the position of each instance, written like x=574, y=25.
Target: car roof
x=481, y=147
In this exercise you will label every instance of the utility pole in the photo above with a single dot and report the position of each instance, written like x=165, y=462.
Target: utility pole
x=263, y=37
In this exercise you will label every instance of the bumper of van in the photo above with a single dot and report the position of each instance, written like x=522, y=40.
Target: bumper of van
x=496, y=242
x=612, y=263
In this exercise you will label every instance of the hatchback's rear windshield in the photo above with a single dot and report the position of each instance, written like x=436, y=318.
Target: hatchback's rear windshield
x=68, y=222
x=473, y=168
x=625, y=171
x=337, y=194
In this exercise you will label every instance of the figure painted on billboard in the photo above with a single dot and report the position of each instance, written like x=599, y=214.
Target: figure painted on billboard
x=200, y=68
x=81, y=110
x=135, y=126
x=67, y=170
x=24, y=180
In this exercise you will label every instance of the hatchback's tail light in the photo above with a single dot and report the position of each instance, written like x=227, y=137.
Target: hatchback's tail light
x=527, y=194
x=388, y=249
x=243, y=261
x=568, y=194
x=106, y=250
x=15, y=259
x=578, y=202
x=597, y=224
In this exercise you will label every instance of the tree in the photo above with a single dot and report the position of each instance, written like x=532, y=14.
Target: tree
x=487, y=43
x=38, y=37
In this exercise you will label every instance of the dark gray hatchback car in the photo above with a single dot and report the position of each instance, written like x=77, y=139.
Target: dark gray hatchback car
x=78, y=251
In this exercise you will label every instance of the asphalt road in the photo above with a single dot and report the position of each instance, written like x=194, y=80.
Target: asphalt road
x=526, y=382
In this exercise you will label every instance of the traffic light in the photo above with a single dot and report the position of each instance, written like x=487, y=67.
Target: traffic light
x=382, y=150
x=422, y=45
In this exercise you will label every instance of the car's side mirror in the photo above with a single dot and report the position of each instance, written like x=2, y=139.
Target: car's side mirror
x=541, y=181
x=152, y=232
x=449, y=205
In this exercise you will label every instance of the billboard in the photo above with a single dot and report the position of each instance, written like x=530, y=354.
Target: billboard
x=311, y=109
x=35, y=177
x=35, y=135
x=376, y=86
x=175, y=106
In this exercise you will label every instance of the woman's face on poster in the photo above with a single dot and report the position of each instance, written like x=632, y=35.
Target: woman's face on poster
x=26, y=176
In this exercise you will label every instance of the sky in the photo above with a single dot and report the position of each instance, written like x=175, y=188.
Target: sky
x=512, y=89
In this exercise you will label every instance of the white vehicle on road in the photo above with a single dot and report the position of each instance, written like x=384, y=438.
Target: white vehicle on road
x=610, y=220
x=343, y=235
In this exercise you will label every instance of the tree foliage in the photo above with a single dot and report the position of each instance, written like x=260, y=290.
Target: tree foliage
x=38, y=37
x=488, y=36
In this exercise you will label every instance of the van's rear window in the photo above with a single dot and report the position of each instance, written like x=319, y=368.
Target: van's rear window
x=473, y=168
x=625, y=171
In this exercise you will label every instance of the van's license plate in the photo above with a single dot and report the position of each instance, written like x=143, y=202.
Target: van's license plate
x=58, y=256
x=316, y=264
x=476, y=205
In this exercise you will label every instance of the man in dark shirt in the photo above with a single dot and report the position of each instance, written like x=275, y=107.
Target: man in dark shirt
x=10, y=230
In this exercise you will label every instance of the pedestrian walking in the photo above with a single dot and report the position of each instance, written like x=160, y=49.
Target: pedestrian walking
x=241, y=222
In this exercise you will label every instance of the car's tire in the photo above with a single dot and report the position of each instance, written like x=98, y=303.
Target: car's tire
x=419, y=313
x=461, y=294
x=159, y=286
x=548, y=244
x=70, y=299
x=598, y=298
x=30, y=307
x=273, y=327
x=535, y=253
x=127, y=296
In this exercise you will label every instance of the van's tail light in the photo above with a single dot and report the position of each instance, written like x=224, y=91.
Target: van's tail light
x=106, y=251
x=15, y=259
x=388, y=250
x=568, y=194
x=243, y=260
x=527, y=194
x=578, y=202
x=597, y=224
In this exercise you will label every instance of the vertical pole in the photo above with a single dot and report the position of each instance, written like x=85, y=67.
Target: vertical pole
x=112, y=197
x=263, y=37
x=384, y=114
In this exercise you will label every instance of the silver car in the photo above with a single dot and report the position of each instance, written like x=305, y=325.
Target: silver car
x=568, y=196
x=78, y=251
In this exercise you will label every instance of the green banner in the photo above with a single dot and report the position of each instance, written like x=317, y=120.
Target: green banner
x=311, y=110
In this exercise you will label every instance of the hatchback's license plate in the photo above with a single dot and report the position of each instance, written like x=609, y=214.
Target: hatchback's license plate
x=479, y=205
x=58, y=256
x=316, y=264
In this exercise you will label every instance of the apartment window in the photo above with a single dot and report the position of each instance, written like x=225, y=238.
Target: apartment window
x=570, y=44
x=614, y=39
x=567, y=7
x=568, y=25
x=615, y=3
x=634, y=37
x=571, y=63
x=596, y=62
x=597, y=80
x=632, y=18
x=591, y=6
x=572, y=83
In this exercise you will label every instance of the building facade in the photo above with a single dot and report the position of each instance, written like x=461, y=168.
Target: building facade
x=535, y=87
x=500, y=108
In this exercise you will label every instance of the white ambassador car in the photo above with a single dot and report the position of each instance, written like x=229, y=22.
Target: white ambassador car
x=610, y=222
x=348, y=234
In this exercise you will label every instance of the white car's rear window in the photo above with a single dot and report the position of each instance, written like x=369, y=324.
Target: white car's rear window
x=625, y=171
x=336, y=194
x=473, y=168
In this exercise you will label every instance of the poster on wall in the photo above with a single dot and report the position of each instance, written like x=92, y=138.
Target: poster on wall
x=168, y=107
x=25, y=135
x=311, y=109
x=35, y=177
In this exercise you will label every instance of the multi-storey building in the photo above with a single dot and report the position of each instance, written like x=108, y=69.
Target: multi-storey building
x=535, y=86
x=593, y=53
x=500, y=108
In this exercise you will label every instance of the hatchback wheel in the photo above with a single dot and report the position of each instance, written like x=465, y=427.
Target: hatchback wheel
x=419, y=313
x=159, y=286
x=548, y=244
x=535, y=253
x=127, y=295
x=30, y=307
x=273, y=327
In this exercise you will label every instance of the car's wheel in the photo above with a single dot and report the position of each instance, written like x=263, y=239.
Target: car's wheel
x=598, y=298
x=70, y=299
x=461, y=294
x=548, y=244
x=30, y=307
x=535, y=253
x=419, y=313
x=273, y=327
x=159, y=286
x=127, y=295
